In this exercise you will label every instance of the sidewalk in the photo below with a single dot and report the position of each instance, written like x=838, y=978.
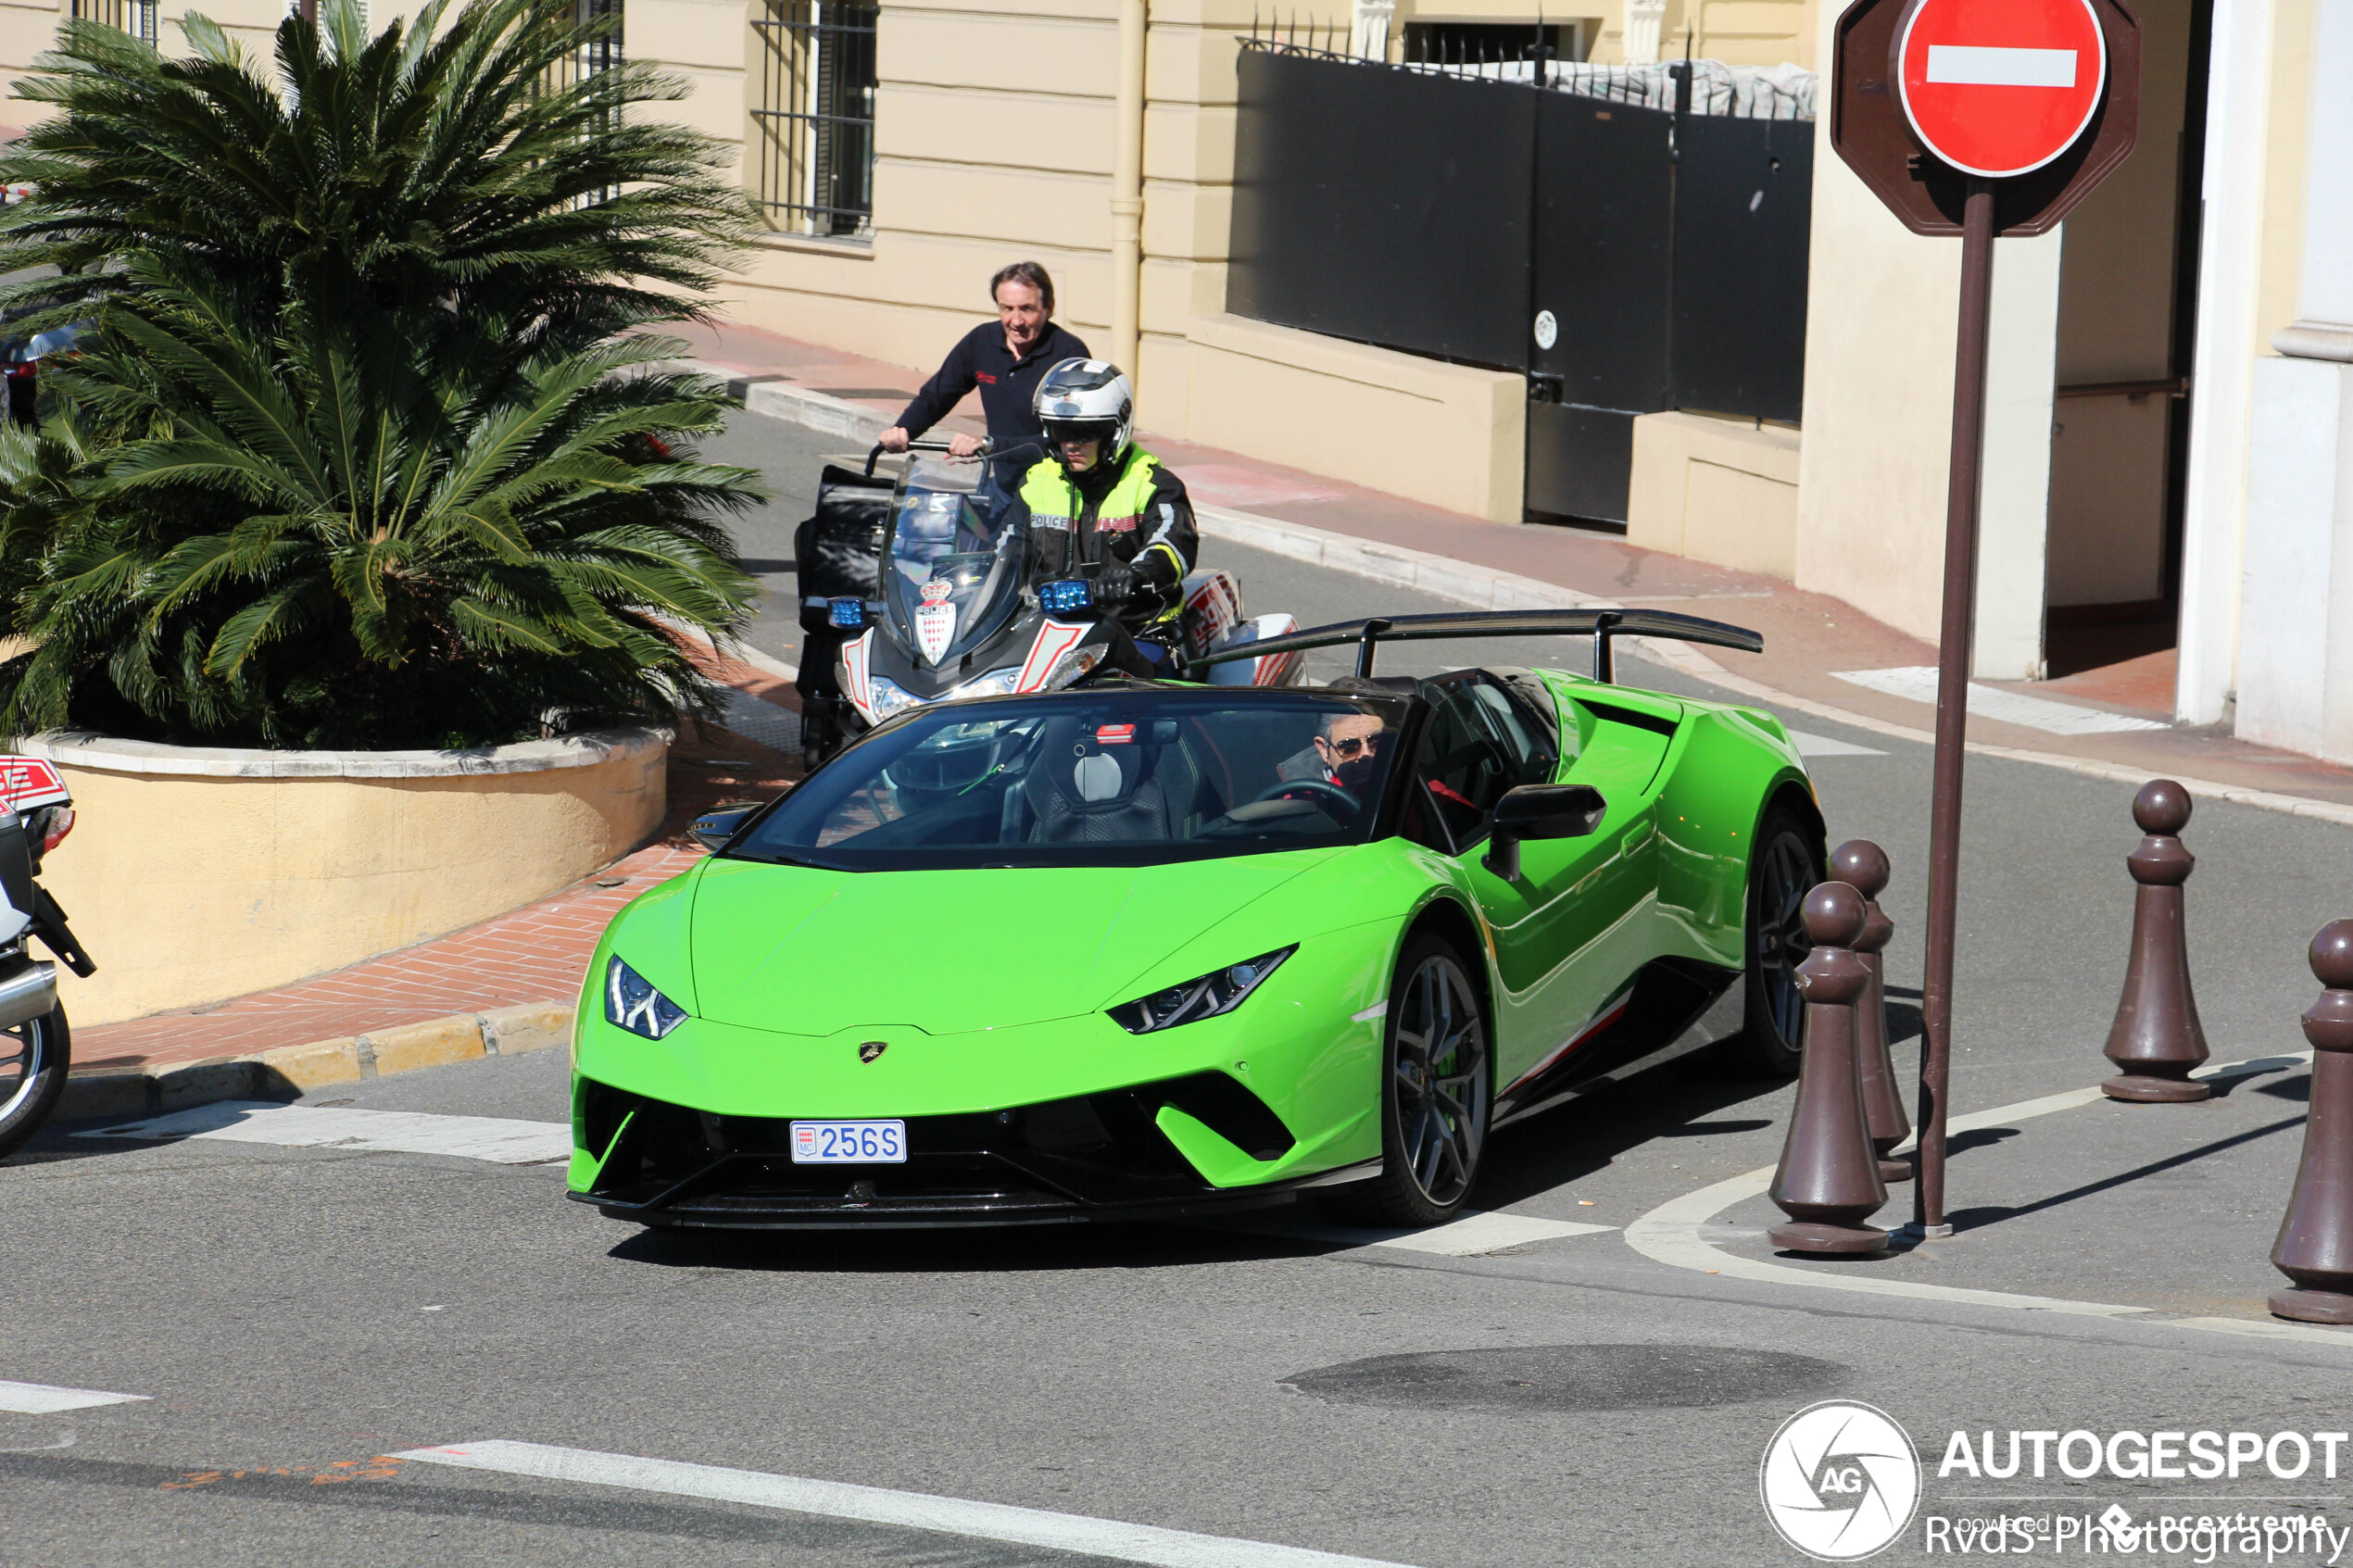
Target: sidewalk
x=1810, y=640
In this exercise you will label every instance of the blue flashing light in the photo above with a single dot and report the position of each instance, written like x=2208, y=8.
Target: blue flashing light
x=1062, y=598
x=847, y=614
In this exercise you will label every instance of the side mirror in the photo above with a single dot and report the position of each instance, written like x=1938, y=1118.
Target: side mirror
x=1540, y=811
x=714, y=829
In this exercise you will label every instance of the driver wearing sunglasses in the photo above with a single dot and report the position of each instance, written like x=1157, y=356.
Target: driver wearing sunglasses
x=1346, y=747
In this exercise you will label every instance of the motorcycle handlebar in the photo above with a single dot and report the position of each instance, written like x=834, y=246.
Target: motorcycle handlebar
x=920, y=446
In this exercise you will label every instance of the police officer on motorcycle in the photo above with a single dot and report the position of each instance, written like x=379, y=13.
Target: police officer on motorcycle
x=1102, y=508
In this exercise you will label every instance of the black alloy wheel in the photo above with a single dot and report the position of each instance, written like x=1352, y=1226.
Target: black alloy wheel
x=34, y=1058
x=1789, y=862
x=1437, y=1091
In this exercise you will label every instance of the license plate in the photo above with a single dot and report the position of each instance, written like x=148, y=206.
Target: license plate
x=849, y=1143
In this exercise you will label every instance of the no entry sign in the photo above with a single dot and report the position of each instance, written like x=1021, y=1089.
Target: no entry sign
x=2000, y=87
x=2037, y=98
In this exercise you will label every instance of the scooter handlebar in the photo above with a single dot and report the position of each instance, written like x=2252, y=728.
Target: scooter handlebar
x=985, y=446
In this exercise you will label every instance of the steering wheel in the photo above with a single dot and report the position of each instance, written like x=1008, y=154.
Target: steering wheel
x=1313, y=788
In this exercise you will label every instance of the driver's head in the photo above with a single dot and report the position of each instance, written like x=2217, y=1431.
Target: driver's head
x=1349, y=742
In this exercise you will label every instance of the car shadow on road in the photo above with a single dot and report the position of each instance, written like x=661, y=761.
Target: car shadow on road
x=1673, y=1099
x=1007, y=1249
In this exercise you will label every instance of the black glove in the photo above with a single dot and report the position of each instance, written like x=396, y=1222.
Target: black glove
x=1116, y=585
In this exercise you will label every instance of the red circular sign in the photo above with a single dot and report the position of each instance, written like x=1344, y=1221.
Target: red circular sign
x=2000, y=87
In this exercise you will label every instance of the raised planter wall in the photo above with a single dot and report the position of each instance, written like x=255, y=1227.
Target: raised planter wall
x=195, y=874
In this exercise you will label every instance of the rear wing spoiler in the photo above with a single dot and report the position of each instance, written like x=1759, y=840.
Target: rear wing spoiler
x=1599, y=624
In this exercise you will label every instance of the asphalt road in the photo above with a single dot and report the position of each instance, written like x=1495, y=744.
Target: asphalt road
x=293, y=1316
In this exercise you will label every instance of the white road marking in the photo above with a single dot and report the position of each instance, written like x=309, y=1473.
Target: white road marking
x=496, y=1139
x=1916, y=682
x=1977, y=65
x=1466, y=1238
x=1673, y=1234
x=39, y=1398
x=879, y=1505
x=1810, y=744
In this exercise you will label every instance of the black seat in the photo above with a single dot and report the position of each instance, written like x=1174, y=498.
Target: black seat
x=1082, y=791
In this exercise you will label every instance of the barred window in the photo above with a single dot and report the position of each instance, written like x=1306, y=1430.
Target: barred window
x=136, y=18
x=601, y=53
x=812, y=125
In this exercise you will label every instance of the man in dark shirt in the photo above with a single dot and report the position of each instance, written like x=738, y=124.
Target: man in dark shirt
x=1004, y=359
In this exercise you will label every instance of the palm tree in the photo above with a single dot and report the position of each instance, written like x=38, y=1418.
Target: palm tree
x=359, y=453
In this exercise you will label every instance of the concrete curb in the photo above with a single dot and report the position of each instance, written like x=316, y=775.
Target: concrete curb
x=294, y=1070
x=782, y=400
x=81, y=748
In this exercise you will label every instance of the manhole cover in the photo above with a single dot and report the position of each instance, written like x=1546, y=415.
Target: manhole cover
x=1570, y=1377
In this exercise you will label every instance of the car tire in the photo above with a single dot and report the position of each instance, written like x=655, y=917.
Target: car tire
x=33, y=1076
x=1432, y=1140
x=1789, y=862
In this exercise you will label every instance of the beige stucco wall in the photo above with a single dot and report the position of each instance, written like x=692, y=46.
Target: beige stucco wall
x=1716, y=490
x=1741, y=32
x=1878, y=414
x=1450, y=436
x=189, y=887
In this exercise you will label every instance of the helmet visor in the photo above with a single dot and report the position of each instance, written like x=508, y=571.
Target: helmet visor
x=1060, y=430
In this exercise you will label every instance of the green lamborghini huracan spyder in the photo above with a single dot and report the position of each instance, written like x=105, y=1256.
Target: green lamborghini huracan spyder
x=1147, y=948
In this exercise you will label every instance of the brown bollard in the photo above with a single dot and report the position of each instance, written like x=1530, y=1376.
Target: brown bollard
x=2156, y=1039
x=1829, y=1181
x=2315, y=1247
x=1862, y=865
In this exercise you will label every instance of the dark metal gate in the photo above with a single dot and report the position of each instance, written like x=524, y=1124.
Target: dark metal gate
x=1626, y=258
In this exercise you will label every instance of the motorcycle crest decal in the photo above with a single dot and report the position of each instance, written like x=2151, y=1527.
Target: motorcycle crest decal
x=935, y=592
x=935, y=629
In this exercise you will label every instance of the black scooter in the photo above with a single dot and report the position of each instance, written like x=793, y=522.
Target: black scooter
x=36, y=1049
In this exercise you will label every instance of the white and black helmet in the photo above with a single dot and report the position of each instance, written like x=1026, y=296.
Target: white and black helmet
x=1088, y=397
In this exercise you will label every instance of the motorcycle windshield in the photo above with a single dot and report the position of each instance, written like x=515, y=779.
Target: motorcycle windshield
x=957, y=553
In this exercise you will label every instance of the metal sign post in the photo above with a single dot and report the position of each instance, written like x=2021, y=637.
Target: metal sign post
x=1981, y=118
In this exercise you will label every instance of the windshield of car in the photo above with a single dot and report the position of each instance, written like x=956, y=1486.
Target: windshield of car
x=957, y=554
x=1112, y=776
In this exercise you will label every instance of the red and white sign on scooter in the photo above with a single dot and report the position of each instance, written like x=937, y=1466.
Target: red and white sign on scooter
x=2000, y=88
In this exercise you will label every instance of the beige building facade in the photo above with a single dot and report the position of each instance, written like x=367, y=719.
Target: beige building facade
x=996, y=130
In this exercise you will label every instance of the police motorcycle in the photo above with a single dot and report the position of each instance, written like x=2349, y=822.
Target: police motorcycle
x=954, y=614
x=36, y=812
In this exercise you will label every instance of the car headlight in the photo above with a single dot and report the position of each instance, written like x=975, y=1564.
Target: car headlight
x=1220, y=991
x=997, y=683
x=632, y=1002
x=889, y=697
